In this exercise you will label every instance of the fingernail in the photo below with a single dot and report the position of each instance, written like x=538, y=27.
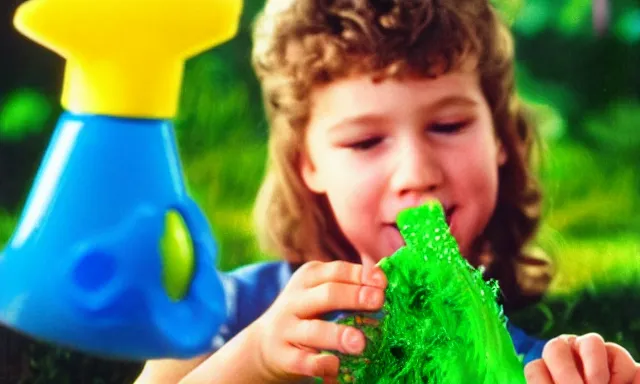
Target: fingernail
x=355, y=341
x=377, y=278
x=375, y=299
x=371, y=297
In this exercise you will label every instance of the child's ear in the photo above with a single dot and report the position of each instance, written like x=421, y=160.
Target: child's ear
x=309, y=174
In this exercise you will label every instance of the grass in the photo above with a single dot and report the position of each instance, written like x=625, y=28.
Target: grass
x=596, y=289
x=224, y=182
x=590, y=263
x=593, y=236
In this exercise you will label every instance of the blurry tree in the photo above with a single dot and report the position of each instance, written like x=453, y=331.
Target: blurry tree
x=574, y=68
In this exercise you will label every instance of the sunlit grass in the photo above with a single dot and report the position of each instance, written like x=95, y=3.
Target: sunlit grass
x=588, y=264
x=590, y=228
x=591, y=231
x=227, y=177
x=225, y=182
x=596, y=289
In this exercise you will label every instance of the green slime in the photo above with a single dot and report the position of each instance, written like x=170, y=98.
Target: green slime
x=441, y=322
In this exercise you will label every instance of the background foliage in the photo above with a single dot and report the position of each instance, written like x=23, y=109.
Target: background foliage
x=581, y=79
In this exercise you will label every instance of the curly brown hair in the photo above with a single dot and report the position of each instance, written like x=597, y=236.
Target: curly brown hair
x=299, y=44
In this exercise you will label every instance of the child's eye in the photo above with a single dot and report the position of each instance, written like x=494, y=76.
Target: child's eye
x=365, y=144
x=448, y=128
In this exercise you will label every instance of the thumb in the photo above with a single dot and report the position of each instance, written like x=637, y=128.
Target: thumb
x=372, y=272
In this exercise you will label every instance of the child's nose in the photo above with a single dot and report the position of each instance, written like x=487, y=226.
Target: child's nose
x=417, y=171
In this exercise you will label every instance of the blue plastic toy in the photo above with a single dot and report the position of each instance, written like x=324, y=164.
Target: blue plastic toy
x=111, y=256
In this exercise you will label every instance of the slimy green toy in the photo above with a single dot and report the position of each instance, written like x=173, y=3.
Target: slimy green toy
x=441, y=322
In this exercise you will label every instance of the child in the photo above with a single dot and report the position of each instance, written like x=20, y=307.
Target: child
x=376, y=106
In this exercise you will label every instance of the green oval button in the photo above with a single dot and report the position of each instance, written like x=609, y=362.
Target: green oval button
x=178, y=259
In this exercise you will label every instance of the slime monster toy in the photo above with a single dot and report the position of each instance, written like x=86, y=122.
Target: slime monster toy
x=111, y=256
x=441, y=322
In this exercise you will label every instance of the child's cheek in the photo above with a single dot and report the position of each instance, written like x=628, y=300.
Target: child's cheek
x=356, y=199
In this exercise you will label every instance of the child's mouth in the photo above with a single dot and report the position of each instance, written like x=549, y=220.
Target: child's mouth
x=396, y=241
x=448, y=214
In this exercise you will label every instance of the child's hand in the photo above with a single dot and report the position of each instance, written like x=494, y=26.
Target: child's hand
x=290, y=334
x=582, y=360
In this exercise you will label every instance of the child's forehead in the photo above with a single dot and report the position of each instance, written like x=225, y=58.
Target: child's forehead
x=358, y=99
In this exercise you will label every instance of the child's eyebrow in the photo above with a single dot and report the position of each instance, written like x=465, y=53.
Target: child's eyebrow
x=451, y=101
x=366, y=120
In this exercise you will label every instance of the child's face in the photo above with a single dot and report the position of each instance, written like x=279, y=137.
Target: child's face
x=376, y=149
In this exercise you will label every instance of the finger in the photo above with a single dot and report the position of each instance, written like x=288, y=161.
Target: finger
x=308, y=364
x=315, y=273
x=593, y=358
x=324, y=335
x=558, y=357
x=329, y=380
x=571, y=340
x=330, y=297
x=622, y=367
x=536, y=372
x=636, y=378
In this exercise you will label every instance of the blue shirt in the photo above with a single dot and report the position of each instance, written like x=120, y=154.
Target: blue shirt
x=252, y=289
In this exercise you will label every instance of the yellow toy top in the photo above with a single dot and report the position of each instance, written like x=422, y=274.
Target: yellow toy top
x=126, y=57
